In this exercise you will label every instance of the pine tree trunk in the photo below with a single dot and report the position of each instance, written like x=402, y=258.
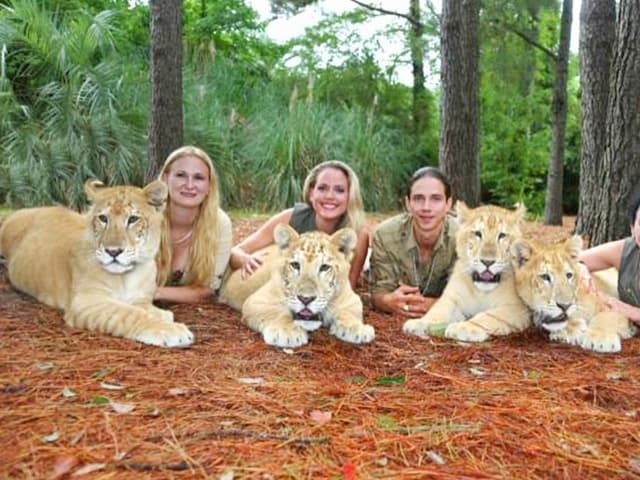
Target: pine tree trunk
x=597, y=40
x=460, y=112
x=621, y=160
x=553, y=198
x=420, y=101
x=165, y=118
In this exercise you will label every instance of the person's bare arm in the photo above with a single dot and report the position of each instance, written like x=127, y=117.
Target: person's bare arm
x=603, y=256
x=359, y=257
x=184, y=294
x=630, y=311
x=243, y=255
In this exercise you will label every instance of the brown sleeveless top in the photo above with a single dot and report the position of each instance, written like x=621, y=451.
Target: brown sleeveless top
x=629, y=275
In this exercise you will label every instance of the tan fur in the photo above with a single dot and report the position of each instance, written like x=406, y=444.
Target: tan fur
x=99, y=267
x=474, y=308
x=308, y=288
x=235, y=289
x=548, y=280
x=607, y=281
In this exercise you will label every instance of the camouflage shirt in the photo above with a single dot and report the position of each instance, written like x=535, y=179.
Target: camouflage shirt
x=395, y=257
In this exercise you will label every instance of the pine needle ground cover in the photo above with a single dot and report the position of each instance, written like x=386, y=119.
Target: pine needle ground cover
x=75, y=404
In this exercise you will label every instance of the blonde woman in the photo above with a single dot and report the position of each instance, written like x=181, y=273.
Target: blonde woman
x=332, y=201
x=196, y=238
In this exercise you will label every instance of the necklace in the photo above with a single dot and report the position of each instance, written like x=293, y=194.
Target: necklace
x=183, y=239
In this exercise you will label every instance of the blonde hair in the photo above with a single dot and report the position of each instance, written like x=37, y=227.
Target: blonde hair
x=354, y=216
x=201, y=261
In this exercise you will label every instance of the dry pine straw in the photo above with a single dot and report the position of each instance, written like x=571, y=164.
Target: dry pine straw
x=232, y=407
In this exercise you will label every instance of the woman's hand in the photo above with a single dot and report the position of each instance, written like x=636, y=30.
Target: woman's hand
x=251, y=262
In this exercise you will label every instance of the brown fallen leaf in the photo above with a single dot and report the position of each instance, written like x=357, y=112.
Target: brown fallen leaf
x=320, y=417
x=63, y=466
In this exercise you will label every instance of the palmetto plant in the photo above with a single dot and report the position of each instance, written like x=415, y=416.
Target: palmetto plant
x=63, y=94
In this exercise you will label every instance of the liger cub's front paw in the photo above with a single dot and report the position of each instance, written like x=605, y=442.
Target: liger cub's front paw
x=290, y=336
x=600, y=341
x=166, y=334
x=466, y=332
x=358, y=333
x=165, y=315
x=417, y=326
x=563, y=336
x=571, y=333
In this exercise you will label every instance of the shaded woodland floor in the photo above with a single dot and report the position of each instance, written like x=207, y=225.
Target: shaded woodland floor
x=87, y=405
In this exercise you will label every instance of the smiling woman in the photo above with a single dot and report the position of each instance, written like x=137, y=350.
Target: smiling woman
x=332, y=201
x=196, y=238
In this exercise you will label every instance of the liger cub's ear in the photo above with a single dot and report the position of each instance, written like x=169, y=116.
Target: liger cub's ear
x=156, y=193
x=283, y=235
x=520, y=211
x=462, y=211
x=573, y=246
x=91, y=188
x=521, y=251
x=345, y=240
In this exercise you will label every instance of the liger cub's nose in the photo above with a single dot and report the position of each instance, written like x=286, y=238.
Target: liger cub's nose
x=487, y=263
x=306, y=300
x=563, y=306
x=114, y=252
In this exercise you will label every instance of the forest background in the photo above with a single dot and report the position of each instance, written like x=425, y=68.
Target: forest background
x=75, y=100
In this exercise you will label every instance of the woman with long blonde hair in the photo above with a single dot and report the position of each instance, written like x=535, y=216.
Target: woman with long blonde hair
x=332, y=200
x=196, y=237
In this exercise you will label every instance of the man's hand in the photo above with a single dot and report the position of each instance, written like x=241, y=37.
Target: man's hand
x=408, y=302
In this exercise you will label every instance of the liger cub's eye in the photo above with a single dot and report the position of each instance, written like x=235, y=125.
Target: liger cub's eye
x=325, y=268
x=569, y=275
x=478, y=233
x=103, y=218
x=132, y=219
x=295, y=265
x=502, y=235
x=546, y=277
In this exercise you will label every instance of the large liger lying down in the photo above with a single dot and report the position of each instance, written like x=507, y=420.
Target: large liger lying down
x=480, y=298
x=99, y=267
x=548, y=279
x=303, y=285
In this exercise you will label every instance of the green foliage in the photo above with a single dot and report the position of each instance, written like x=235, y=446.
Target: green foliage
x=63, y=98
x=228, y=28
x=283, y=142
x=516, y=91
x=74, y=99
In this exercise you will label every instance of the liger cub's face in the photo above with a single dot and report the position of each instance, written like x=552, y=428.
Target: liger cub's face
x=484, y=242
x=547, y=280
x=314, y=269
x=124, y=226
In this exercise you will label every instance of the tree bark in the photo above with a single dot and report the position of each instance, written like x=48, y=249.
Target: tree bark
x=165, y=118
x=597, y=40
x=460, y=112
x=621, y=166
x=553, y=197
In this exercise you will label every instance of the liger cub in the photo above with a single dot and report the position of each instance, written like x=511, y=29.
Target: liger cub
x=307, y=287
x=99, y=266
x=480, y=299
x=549, y=281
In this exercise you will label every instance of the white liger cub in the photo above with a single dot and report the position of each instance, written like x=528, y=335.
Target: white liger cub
x=99, y=267
x=549, y=280
x=480, y=299
x=308, y=288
